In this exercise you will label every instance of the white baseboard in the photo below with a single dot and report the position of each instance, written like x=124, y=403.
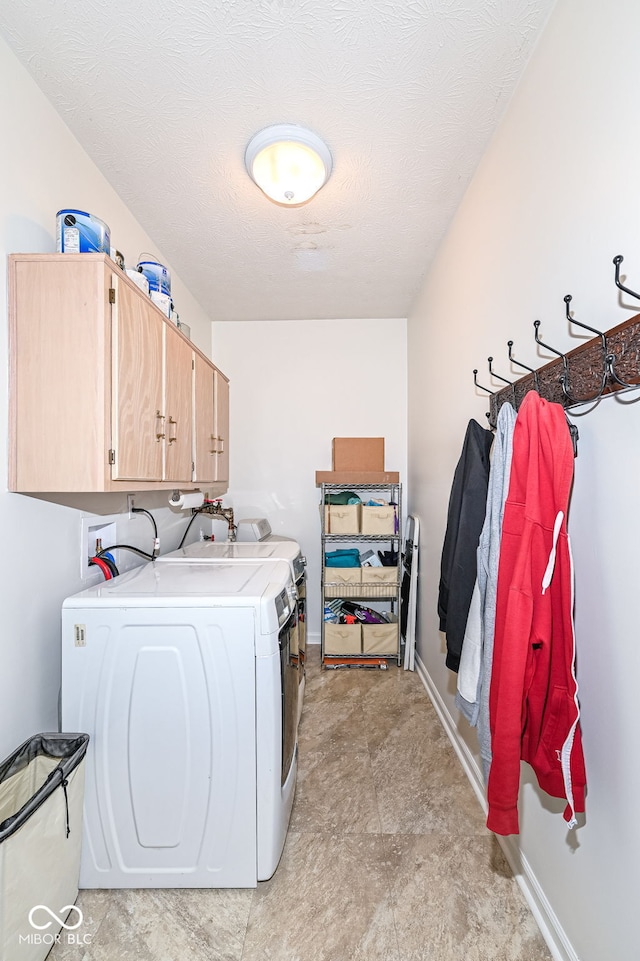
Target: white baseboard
x=550, y=928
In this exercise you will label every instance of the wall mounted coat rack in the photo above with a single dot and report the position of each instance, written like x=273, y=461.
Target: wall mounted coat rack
x=607, y=363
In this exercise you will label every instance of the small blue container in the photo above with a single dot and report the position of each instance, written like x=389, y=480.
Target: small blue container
x=78, y=232
x=158, y=276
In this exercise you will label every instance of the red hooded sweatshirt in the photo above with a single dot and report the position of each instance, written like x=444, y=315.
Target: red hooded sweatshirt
x=533, y=704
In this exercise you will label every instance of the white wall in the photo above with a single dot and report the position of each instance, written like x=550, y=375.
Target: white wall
x=555, y=198
x=43, y=170
x=294, y=386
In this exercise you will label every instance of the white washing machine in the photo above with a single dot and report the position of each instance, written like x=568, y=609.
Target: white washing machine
x=181, y=675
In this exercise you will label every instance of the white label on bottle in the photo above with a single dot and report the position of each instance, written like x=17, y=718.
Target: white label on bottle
x=71, y=240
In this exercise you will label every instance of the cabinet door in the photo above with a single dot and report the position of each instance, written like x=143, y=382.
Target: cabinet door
x=178, y=407
x=221, y=415
x=59, y=380
x=205, y=454
x=137, y=410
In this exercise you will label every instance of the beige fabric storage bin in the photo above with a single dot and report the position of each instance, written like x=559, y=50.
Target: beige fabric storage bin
x=380, y=639
x=342, y=639
x=342, y=518
x=294, y=643
x=380, y=575
x=41, y=795
x=378, y=520
x=336, y=577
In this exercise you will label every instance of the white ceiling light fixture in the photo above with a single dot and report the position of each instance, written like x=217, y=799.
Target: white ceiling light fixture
x=289, y=163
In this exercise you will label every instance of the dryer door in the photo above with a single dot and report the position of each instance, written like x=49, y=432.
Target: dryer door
x=302, y=625
x=289, y=692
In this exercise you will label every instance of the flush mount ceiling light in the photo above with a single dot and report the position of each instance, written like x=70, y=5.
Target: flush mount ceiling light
x=289, y=163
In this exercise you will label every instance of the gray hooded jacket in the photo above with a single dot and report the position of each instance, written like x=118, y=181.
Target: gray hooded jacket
x=474, y=677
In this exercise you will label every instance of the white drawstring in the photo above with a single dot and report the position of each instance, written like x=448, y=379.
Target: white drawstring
x=548, y=574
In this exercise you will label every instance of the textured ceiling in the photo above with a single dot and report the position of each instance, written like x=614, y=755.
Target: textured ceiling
x=164, y=97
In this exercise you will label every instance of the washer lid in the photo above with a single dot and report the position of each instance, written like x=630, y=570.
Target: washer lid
x=217, y=551
x=279, y=539
x=237, y=584
x=208, y=550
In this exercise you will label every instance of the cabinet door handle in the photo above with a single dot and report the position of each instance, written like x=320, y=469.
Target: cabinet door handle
x=221, y=451
x=159, y=417
x=213, y=449
x=173, y=439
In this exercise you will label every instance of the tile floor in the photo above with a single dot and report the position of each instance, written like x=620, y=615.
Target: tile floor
x=387, y=857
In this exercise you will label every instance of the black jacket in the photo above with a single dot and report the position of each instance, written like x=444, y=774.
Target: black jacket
x=465, y=517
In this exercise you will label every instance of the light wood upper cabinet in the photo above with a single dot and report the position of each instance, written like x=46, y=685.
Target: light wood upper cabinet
x=59, y=374
x=221, y=412
x=103, y=390
x=138, y=421
x=211, y=424
x=204, y=454
x=178, y=406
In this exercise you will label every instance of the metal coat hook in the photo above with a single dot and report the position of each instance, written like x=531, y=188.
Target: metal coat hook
x=531, y=370
x=617, y=260
x=609, y=359
x=564, y=376
x=497, y=376
x=475, y=380
x=488, y=390
x=504, y=380
x=605, y=357
x=567, y=300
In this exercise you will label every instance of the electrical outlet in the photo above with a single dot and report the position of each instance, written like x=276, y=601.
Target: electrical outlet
x=130, y=505
x=94, y=529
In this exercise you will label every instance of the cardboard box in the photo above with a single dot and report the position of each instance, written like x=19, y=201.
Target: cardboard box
x=357, y=477
x=357, y=453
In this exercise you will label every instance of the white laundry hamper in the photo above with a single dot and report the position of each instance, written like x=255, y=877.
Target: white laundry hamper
x=41, y=797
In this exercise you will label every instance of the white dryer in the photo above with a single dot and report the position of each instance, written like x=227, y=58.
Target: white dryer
x=267, y=547
x=181, y=675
